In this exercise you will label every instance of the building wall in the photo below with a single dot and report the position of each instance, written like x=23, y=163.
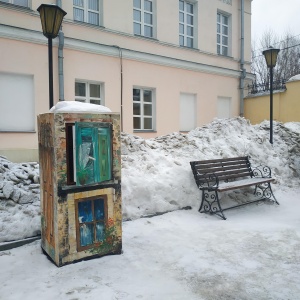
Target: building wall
x=96, y=53
x=286, y=105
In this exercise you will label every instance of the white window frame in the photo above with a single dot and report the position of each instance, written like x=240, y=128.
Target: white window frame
x=142, y=116
x=223, y=47
x=87, y=98
x=184, y=36
x=86, y=10
x=13, y=2
x=142, y=22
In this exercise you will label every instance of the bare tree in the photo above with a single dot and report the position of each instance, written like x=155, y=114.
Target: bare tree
x=288, y=61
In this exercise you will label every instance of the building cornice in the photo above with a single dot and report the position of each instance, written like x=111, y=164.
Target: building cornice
x=31, y=36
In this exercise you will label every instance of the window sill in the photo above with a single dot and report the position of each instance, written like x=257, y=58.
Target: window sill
x=225, y=56
x=17, y=131
x=143, y=130
x=15, y=7
x=146, y=37
x=88, y=24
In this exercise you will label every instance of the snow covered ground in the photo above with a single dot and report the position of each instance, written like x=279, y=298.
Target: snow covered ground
x=254, y=254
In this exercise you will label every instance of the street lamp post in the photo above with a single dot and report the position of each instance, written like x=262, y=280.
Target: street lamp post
x=271, y=59
x=51, y=18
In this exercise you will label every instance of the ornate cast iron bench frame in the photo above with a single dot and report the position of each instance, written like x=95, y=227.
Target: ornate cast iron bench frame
x=220, y=175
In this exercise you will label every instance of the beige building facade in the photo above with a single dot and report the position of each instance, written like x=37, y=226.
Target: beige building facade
x=164, y=65
x=286, y=104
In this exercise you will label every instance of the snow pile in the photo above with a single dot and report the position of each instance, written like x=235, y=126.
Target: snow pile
x=76, y=106
x=156, y=173
x=19, y=199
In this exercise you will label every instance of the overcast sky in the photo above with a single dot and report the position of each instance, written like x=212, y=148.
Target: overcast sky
x=278, y=15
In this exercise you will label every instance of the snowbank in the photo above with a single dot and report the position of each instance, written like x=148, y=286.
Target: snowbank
x=156, y=174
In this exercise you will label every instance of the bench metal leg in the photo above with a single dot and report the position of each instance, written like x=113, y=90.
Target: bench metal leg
x=265, y=192
x=211, y=204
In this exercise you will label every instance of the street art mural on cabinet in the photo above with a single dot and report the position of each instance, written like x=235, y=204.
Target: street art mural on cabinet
x=80, y=174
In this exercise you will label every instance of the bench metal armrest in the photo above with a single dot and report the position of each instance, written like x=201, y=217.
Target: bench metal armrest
x=207, y=181
x=262, y=172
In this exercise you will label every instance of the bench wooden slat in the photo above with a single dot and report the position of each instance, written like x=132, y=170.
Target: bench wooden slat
x=224, y=172
x=221, y=163
x=227, y=186
x=242, y=158
x=216, y=169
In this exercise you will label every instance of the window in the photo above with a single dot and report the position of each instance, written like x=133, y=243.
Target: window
x=17, y=2
x=89, y=92
x=87, y=11
x=188, y=112
x=91, y=219
x=222, y=34
x=143, y=17
x=143, y=109
x=17, y=103
x=89, y=155
x=186, y=24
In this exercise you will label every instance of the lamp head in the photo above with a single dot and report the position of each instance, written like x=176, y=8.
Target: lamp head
x=271, y=56
x=51, y=18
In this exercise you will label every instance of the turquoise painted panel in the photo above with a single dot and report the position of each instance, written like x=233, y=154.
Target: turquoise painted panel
x=93, y=152
x=104, y=142
x=87, y=159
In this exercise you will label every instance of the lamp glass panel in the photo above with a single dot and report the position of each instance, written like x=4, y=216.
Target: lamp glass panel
x=271, y=57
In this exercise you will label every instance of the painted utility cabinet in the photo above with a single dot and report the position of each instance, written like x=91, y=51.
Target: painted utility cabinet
x=80, y=177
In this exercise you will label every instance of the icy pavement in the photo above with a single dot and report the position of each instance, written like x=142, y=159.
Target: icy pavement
x=255, y=254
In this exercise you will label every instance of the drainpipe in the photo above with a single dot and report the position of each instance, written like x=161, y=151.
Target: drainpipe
x=242, y=62
x=60, y=60
x=121, y=83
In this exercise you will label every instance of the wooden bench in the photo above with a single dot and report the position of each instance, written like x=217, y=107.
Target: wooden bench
x=220, y=175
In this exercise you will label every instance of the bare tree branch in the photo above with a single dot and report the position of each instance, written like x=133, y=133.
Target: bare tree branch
x=288, y=61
